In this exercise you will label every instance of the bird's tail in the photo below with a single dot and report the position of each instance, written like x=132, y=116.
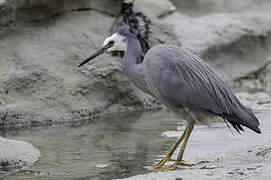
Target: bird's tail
x=242, y=116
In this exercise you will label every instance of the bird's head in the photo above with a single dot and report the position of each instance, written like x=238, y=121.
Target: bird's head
x=115, y=42
x=119, y=42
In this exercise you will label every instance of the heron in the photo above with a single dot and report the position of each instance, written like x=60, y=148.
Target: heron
x=181, y=81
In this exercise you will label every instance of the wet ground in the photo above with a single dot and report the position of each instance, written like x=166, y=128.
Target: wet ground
x=123, y=146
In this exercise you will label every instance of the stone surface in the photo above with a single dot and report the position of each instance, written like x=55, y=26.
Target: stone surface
x=248, y=163
x=40, y=82
x=15, y=155
x=14, y=11
x=154, y=9
x=234, y=41
x=200, y=8
x=226, y=41
x=259, y=80
x=40, y=79
x=258, y=100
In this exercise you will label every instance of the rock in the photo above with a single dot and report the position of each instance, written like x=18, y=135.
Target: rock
x=230, y=35
x=243, y=165
x=154, y=9
x=40, y=82
x=201, y=8
x=255, y=81
x=267, y=78
x=38, y=10
x=227, y=41
x=15, y=155
x=136, y=22
x=258, y=100
x=162, y=34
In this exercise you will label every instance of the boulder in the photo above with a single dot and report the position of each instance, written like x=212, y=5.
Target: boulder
x=234, y=41
x=255, y=101
x=15, y=155
x=197, y=8
x=40, y=82
x=234, y=44
x=14, y=11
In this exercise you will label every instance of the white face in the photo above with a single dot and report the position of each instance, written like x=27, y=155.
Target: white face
x=120, y=42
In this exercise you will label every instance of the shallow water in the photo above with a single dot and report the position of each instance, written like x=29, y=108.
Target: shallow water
x=118, y=147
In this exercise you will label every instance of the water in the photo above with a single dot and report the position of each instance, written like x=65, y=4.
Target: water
x=118, y=147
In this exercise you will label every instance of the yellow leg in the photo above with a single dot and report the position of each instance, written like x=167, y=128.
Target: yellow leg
x=179, y=160
x=171, y=151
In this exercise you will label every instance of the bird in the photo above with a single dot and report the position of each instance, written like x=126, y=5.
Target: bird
x=181, y=81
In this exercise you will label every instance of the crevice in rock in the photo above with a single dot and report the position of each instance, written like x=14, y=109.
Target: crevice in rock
x=254, y=81
x=38, y=11
x=71, y=10
x=250, y=52
x=254, y=74
x=93, y=9
x=138, y=24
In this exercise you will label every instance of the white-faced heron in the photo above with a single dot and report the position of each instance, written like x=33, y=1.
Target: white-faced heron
x=179, y=79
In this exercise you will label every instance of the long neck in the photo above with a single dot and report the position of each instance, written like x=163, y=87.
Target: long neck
x=130, y=65
x=133, y=52
x=131, y=56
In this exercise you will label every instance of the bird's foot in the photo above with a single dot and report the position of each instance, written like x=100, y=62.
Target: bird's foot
x=174, y=165
x=171, y=167
x=161, y=163
x=182, y=163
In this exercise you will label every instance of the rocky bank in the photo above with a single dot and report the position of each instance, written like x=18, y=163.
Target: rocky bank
x=249, y=163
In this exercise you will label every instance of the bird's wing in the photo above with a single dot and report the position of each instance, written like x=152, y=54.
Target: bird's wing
x=180, y=77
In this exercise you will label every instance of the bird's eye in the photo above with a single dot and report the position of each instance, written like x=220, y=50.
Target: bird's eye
x=111, y=42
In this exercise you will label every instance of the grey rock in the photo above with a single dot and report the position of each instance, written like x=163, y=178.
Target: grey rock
x=258, y=100
x=267, y=78
x=162, y=34
x=39, y=73
x=38, y=10
x=40, y=82
x=230, y=35
x=154, y=9
x=227, y=41
x=244, y=164
x=201, y=8
x=255, y=81
x=15, y=155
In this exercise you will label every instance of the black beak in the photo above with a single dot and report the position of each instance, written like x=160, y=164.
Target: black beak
x=97, y=53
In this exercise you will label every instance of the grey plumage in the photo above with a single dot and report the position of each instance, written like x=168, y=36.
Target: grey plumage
x=183, y=79
x=178, y=78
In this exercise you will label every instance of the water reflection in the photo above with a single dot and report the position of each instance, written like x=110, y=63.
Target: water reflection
x=124, y=145
x=118, y=147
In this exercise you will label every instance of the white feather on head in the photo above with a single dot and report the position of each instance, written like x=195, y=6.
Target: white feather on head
x=120, y=42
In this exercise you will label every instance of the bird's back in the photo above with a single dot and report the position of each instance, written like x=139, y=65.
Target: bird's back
x=179, y=78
